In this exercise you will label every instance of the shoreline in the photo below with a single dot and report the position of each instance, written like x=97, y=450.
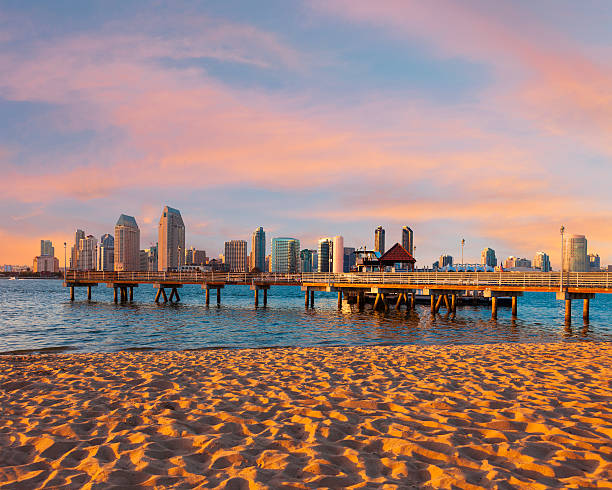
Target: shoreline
x=502, y=415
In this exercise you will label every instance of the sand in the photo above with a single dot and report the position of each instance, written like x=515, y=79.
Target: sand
x=495, y=416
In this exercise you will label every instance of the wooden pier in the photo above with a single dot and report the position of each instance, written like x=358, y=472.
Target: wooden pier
x=443, y=288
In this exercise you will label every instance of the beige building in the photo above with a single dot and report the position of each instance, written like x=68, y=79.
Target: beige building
x=575, y=257
x=46, y=264
x=127, y=244
x=87, y=254
x=379, y=240
x=236, y=255
x=171, y=240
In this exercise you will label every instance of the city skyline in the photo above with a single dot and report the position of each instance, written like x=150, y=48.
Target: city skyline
x=320, y=118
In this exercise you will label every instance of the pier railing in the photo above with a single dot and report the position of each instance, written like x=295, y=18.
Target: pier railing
x=543, y=280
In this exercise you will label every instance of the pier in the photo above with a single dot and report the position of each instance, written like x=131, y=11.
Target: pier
x=443, y=288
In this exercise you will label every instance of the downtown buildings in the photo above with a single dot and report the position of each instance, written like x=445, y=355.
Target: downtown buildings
x=379, y=240
x=575, y=258
x=46, y=263
x=106, y=253
x=127, y=244
x=171, y=240
x=541, y=261
x=408, y=239
x=235, y=256
x=488, y=258
x=285, y=255
x=257, y=258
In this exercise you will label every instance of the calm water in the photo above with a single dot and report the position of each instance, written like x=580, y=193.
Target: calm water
x=37, y=314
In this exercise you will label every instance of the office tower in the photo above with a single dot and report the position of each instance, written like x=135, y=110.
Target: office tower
x=315, y=260
x=74, y=251
x=379, y=240
x=285, y=255
x=106, y=253
x=127, y=244
x=171, y=240
x=408, y=239
x=594, y=263
x=338, y=254
x=46, y=249
x=268, y=263
x=575, y=254
x=306, y=263
x=258, y=250
x=487, y=257
x=236, y=255
x=541, y=261
x=325, y=255
x=45, y=264
x=195, y=257
x=349, y=259
x=445, y=260
x=510, y=262
x=148, y=259
x=87, y=253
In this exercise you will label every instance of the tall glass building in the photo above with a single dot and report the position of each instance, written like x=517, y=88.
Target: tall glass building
x=285, y=255
x=487, y=257
x=258, y=250
x=306, y=261
x=408, y=239
x=575, y=254
x=127, y=244
x=379, y=240
x=236, y=255
x=171, y=240
x=325, y=255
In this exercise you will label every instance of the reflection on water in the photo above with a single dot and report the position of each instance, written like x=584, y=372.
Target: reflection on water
x=37, y=314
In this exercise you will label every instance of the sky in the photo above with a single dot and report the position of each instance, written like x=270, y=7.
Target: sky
x=476, y=120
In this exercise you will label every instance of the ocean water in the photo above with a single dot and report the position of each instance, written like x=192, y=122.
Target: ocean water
x=38, y=315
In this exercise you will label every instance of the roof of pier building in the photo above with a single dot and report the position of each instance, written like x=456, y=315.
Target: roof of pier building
x=397, y=254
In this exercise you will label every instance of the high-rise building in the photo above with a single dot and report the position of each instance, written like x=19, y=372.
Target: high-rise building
x=74, y=251
x=541, y=261
x=594, y=263
x=127, y=244
x=285, y=255
x=575, y=254
x=325, y=255
x=195, y=257
x=236, y=255
x=171, y=240
x=87, y=254
x=306, y=261
x=45, y=264
x=148, y=259
x=445, y=260
x=487, y=257
x=315, y=260
x=513, y=262
x=408, y=239
x=258, y=250
x=46, y=249
x=379, y=240
x=350, y=259
x=338, y=254
x=106, y=253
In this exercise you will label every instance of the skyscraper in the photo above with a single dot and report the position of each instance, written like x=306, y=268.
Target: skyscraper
x=594, y=263
x=148, y=259
x=258, y=250
x=106, y=253
x=46, y=249
x=87, y=254
x=446, y=260
x=74, y=252
x=236, y=255
x=541, y=261
x=285, y=255
x=325, y=255
x=408, y=239
x=487, y=257
x=306, y=261
x=127, y=244
x=338, y=254
x=171, y=240
x=195, y=257
x=379, y=240
x=575, y=254
x=349, y=259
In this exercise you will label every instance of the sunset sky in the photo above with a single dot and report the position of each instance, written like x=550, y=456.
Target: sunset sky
x=489, y=121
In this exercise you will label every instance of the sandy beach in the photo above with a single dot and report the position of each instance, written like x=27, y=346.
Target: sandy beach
x=493, y=416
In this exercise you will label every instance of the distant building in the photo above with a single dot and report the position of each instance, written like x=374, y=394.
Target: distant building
x=285, y=255
x=349, y=259
x=379, y=240
x=594, y=263
x=46, y=248
x=268, y=263
x=325, y=255
x=171, y=240
x=575, y=254
x=149, y=259
x=445, y=261
x=127, y=244
x=74, y=251
x=338, y=254
x=45, y=264
x=236, y=255
x=435, y=265
x=408, y=240
x=315, y=260
x=106, y=253
x=87, y=254
x=513, y=262
x=257, y=259
x=306, y=262
x=541, y=261
x=487, y=257
x=195, y=257
x=609, y=268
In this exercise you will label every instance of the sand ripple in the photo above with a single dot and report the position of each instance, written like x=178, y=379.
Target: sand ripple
x=496, y=416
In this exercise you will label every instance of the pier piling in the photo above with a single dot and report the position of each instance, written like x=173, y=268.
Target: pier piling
x=71, y=293
x=413, y=301
x=339, y=300
x=207, y=297
x=568, y=311
x=218, y=296
x=312, y=298
x=115, y=294
x=131, y=294
x=514, y=306
x=433, y=303
x=88, y=293
x=265, y=298
x=585, y=309
x=454, y=303
x=494, y=307
x=256, y=297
